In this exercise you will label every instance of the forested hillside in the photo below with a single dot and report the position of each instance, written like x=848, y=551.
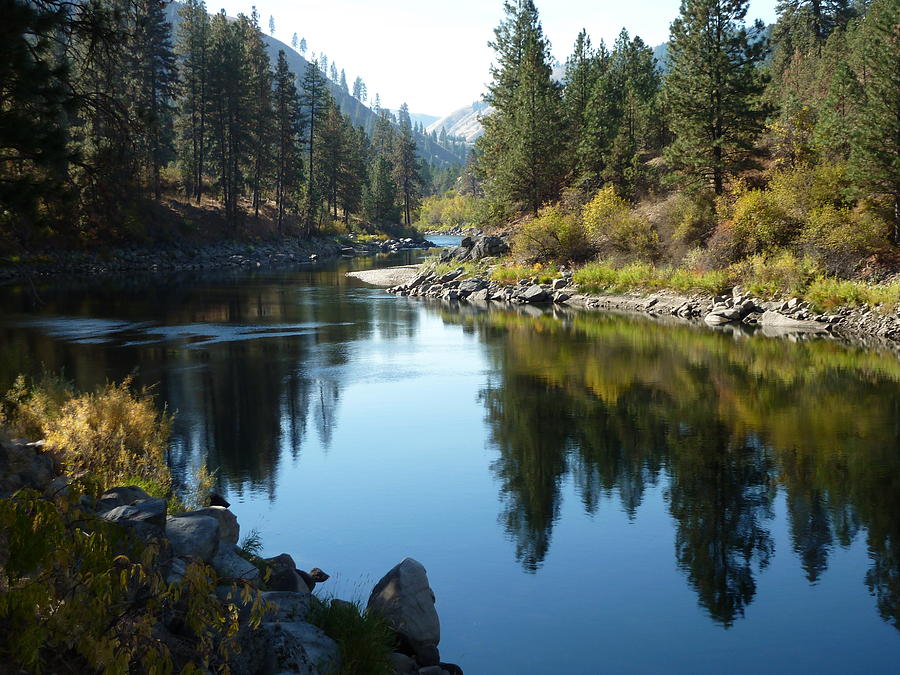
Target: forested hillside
x=139, y=120
x=773, y=160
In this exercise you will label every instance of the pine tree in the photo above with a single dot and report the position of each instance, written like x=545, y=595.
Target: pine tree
x=381, y=194
x=521, y=159
x=303, y=46
x=288, y=129
x=343, y=82
x=406, y=170
x=229, y=125
x=875, y=157
x=192, y=46
x=331, y=154
x=359, y=90
x=271, y=22
x=315, y=99
x=257, y=104
x=36, y=98
x=353, y=177
x=295, y=42
x=583, y=68
x=712, y=90
x=333, y=72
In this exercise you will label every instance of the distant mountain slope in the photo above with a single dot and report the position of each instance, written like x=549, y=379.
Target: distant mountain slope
x=421, y=118
x=358, y=112
x=464, y=122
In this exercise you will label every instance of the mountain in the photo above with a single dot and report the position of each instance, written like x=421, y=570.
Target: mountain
x=359, y=113
x=463, y=123
x=424, y=120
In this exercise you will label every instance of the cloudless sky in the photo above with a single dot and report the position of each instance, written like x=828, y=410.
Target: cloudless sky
x=434, y=55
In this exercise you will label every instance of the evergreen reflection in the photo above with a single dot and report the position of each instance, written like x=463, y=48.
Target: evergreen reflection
x=613, y=403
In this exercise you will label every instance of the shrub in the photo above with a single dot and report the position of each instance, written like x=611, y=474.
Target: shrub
x=364, y=639
x=761, y=221
x=771, y=274
x=447, y=211
x=553, y=235
x=611, y=227
x=840, y=237
x=109, y=436
x=828, y=293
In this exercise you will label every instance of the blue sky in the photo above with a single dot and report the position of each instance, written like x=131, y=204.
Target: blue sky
x=434, y=55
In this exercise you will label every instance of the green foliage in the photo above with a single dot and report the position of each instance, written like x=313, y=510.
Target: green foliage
x=713, y=90
x=773, y=274
x=612, y=228
x=841, y=237
x=761, y=221
x=447, y=211
x=364, y=639
x=607, y=276
x=827, y=293
x=76, y=592
x=511, y=274
x=553, y=234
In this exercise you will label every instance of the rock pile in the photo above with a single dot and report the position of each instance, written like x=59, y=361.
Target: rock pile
x=476, y=248
x=389, y=246
x=451, y=286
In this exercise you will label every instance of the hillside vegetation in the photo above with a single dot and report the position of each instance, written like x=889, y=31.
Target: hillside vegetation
x=772, y=163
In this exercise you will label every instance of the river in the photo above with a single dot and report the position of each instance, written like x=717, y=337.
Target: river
x=590, y=493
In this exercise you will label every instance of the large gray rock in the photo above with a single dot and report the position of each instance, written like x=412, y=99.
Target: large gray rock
x=152, y=511
x=320, y=652
x=533, y=293
x=288, y=606
x=779, y=320
x=229, y=565
x=471, y=285
x=406, y=601
x=284, y=576
x=24, y=465
x=229, y=528
x=196, y=536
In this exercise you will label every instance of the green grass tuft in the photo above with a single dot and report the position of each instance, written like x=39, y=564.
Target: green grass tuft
x=365, y=640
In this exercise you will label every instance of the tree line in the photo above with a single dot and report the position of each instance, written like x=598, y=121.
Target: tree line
x=732, y=104
x=105, y=108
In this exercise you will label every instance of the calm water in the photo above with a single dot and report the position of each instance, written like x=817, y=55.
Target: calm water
x=589, y=493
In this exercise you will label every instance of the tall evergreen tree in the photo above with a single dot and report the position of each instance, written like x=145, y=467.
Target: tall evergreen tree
x=406, y=168
x=257, y=104
x=191, y=48
x=315, y=100
x=713, y=88
x=288, y=129
x=583, y=69
x=271, y=23
x=303, y=46
x=520, y=159
x=295, y=42
x=380, y=200
x=359, y=89
x=228, y=118
x=331, y=154
x=875, y=157
x=343, y=82
x=35, y=98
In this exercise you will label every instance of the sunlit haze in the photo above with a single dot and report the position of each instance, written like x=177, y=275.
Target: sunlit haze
x=434, y=55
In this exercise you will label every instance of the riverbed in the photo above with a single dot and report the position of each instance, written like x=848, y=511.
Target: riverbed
x=589, y=492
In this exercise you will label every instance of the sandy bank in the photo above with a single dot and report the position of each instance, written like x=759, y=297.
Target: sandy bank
x=386, y=276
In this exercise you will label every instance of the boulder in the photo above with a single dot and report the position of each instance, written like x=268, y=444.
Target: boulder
x=196, y=536
x=406, y=601
x=403, y=664
x=533, y=293
x=284, y=575
x=300, y=647
x=716, y=319
x=229, y=528
x=120, y=496
x=23, y=465
x=288, y=606
x=152, y=511
x=472, y=285
x=229, y=565
x=779, y=320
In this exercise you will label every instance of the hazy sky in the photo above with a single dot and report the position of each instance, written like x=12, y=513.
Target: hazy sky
x=434, y=55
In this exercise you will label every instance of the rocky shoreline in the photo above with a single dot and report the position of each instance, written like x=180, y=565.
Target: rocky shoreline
x=737, y=309
x=195, y=257
x=284, y=641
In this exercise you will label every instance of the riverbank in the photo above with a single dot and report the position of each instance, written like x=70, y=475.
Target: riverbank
x=736, y=310
x=180, y=257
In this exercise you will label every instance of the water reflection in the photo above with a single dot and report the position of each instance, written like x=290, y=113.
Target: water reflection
x=258, y=367
x=619, y=404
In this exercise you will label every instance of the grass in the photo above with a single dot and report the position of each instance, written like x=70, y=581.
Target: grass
x=604, y=276
x=827, y=294
x=365, y=640
x=511, y=274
